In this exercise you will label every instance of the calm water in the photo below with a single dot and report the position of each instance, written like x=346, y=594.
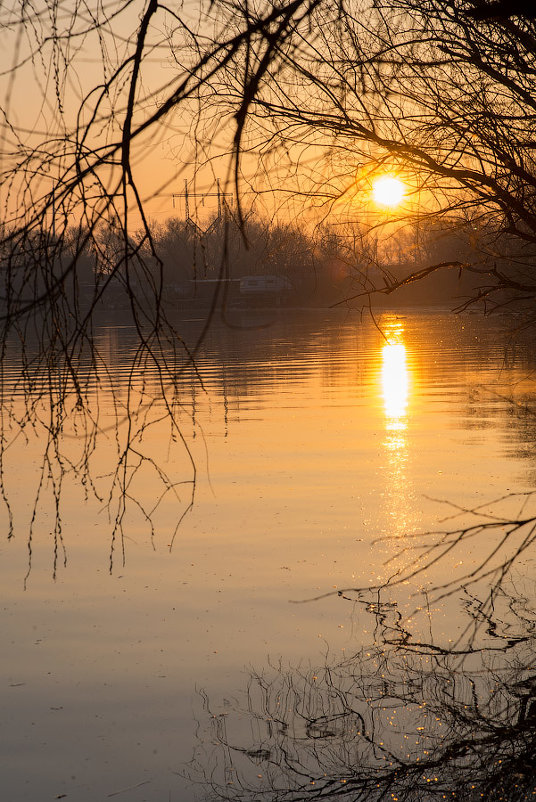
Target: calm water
x=321, y=447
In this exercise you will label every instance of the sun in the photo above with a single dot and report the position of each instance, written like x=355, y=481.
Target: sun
x=388, y=191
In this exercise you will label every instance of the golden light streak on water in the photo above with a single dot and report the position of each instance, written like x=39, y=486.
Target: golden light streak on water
x=394, y=381
x=395, y=385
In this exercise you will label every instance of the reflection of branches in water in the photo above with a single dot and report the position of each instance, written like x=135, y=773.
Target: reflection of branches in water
x=384, y=724
x=489, y=626
x=509, y=538
x=503, y=538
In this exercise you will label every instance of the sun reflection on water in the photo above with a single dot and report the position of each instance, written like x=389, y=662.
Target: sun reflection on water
x=395, y=385
x=394, y=379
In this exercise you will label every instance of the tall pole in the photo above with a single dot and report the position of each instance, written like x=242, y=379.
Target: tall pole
x=53, y=214
x=223, y=206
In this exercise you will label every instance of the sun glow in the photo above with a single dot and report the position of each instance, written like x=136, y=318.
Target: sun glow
x=388, y=191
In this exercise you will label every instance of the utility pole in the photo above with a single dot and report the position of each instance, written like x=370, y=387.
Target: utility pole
x=53, y=213
x=225, y=200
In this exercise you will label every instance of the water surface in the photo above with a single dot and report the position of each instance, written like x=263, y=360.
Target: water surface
x=322, y=444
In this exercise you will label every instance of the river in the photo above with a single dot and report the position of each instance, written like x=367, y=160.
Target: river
x=314, y=449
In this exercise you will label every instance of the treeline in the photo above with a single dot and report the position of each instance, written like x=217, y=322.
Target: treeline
x=180, y=265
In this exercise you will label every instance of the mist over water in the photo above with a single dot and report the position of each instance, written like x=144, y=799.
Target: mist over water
x=322, y=444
